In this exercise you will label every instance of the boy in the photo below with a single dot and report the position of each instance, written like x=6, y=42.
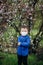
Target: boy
x=23, y=45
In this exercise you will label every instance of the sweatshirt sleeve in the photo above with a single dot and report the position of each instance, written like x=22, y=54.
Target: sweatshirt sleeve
x=27, y=43
x=18, y=39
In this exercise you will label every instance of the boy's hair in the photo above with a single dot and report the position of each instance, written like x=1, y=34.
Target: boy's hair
x=24, y=26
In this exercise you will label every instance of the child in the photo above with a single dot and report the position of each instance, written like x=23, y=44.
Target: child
x=23, y=45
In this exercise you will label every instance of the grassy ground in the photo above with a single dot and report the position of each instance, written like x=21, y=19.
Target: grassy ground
x=11, y=59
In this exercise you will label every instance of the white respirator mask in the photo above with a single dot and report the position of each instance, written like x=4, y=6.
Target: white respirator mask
x=24, y=33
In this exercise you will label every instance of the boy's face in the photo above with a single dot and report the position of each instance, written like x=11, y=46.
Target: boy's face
x=24, y=31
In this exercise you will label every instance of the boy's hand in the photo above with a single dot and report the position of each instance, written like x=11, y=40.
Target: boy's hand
x=19, y=43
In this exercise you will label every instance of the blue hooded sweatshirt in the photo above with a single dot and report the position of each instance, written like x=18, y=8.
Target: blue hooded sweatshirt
x=22, y=49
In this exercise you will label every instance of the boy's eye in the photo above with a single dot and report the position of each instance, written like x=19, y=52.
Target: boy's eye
x=25, y=31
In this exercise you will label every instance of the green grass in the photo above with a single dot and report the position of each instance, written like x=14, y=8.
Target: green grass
x=11, y=59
